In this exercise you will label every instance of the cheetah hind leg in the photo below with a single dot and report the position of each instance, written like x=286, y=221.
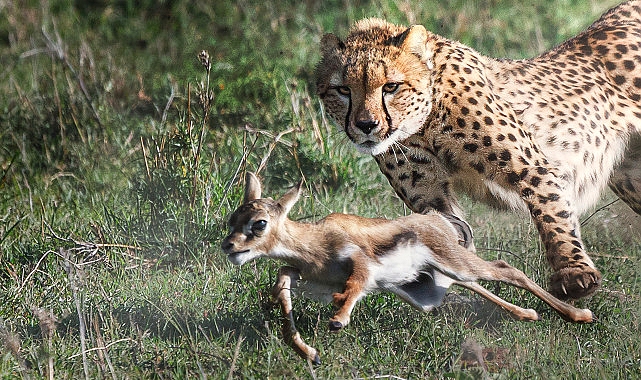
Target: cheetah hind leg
x=626, y=180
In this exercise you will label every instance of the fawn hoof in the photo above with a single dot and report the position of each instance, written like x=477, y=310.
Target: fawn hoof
x=527, y=315
x=588, y=317
x=316, y=360
x=536, y=316
x=572, y=283
x=335, y=325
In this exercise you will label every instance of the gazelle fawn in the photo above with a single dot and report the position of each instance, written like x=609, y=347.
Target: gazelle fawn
x=344, y=257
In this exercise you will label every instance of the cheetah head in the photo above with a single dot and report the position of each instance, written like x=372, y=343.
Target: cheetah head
x=376, y=85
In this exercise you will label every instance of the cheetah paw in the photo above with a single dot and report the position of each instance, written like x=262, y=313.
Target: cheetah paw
x=572, y=283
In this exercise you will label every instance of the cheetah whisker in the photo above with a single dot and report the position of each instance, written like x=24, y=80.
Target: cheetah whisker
x=402, y=149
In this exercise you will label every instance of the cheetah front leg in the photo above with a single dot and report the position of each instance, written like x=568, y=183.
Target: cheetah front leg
x=420, y=181
x=424, y=185
x=554, y=214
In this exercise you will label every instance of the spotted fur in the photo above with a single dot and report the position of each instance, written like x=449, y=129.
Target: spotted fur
x=544, y=135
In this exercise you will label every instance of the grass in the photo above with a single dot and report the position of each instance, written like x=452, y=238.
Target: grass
x=120, y=157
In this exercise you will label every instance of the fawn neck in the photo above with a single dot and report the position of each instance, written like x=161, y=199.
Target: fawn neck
x=308, y=246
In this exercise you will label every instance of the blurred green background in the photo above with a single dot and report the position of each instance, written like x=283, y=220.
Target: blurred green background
x=120, y=157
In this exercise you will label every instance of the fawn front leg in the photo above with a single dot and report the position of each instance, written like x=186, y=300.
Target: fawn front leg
x=345, y=302
x=282, y=293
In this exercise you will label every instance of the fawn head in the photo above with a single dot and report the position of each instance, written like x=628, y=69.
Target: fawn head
x=255, y=225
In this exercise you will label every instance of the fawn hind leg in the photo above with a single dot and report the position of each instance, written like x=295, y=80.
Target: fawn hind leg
x=502, y=271
x=517, y=312
x=287, y=277
x=626, y=179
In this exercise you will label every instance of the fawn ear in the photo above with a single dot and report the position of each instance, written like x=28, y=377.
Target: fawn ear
x=288, y=200
x=252, y=188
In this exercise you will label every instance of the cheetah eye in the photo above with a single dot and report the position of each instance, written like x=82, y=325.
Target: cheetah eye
x=390, y=88
x=343, y=90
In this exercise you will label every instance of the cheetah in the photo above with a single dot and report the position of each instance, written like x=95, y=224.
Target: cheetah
x=543, y=135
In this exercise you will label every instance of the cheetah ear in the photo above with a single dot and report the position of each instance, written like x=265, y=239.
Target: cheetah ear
x=252, y=188
x=415, y=42
x=330, y=43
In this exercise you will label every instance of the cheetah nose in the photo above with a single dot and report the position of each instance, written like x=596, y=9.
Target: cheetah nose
x=366, y=125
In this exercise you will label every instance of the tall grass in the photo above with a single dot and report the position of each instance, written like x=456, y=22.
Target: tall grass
x=125, y=129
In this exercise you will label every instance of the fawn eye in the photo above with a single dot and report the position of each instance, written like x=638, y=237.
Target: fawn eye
x=343, y=90
x=259, y=226
x=390, y=88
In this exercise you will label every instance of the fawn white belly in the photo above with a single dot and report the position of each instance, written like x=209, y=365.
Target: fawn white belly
x=411, y=272
x=401, y=265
